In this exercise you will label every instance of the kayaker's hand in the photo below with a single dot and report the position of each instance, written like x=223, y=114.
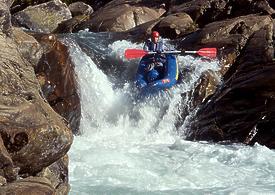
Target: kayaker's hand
x=158, y=52
x=183, y=51
x=150, y=67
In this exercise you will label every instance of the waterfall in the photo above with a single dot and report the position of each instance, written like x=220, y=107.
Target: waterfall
x=132, y=147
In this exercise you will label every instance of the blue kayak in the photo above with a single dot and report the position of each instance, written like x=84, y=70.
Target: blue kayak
x=156, y=74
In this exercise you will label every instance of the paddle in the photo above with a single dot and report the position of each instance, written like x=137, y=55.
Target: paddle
x=137, y=53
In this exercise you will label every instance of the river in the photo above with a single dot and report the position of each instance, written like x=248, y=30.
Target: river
x=132, y=147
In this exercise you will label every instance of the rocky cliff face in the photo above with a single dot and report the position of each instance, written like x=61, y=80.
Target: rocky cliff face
x=33, y=136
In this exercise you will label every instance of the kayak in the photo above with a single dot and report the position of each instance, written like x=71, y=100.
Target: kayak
x=157, y=78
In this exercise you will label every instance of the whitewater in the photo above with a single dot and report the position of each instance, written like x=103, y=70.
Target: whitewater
x=133, y=147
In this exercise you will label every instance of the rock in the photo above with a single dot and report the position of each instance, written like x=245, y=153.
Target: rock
x=28, y=46
x=56, y=75
x=141, y=32
x=97, y=4
x=43, y=17
x=271, y=3
x=20, y=5
x=5, y=17
x=251, y=7
x=28, y=186
x=71, y=25
x=206, y=11
x=3, y=181
x=80, y=8
x=33, y=134
x=244, y=101
x=121, y=15
x=206, y=87
x=229, y=36
x=176, y=25
x=201, y=11
x=6, y=164
x=203, y=89
x=57, y=174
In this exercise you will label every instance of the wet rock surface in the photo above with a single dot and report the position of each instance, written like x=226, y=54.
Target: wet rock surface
x=244, y=100
x=55, y=73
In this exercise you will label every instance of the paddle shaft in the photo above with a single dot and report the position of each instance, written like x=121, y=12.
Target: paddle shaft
x=136, y=53
x=173, y=52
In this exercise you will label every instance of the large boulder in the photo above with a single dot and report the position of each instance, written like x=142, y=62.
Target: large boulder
x=28, y=46
x=55, y=72
x=141, y=32
x=122, y=15
x=201, y=11
x=33, y=134
x=206, y=11
x=251, y=7
x=242, y=109
x=176, y=25
x=29, y=186
x=80, y=8
x=229, y=36
x=43, y=17
x=19, y=5
x=57, y=174
x=5, y=16
x=71, y=25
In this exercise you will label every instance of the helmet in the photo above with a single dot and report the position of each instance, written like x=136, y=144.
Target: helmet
x=155, y=34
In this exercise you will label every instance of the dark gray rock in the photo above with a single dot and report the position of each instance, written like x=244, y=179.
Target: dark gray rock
x=245, y=100
x=176, y=25
x=80, y=8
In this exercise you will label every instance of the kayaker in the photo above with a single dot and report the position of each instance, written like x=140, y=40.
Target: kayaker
x=156, y=68
x=155, y=43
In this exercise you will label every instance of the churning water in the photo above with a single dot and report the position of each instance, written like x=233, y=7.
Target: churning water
x=132, y=147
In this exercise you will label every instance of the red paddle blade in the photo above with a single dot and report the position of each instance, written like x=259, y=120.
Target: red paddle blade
x=134, y=53
x=208, y=52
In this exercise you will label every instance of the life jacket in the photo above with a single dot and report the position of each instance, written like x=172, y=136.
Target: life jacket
x=159, y=46
x=151, y=46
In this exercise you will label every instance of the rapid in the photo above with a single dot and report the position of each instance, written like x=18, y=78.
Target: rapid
x=128, y=146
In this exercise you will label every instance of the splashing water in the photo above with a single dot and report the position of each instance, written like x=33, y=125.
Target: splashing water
x=130, y=147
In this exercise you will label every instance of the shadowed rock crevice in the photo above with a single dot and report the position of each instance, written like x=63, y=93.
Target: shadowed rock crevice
x=15, y=143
